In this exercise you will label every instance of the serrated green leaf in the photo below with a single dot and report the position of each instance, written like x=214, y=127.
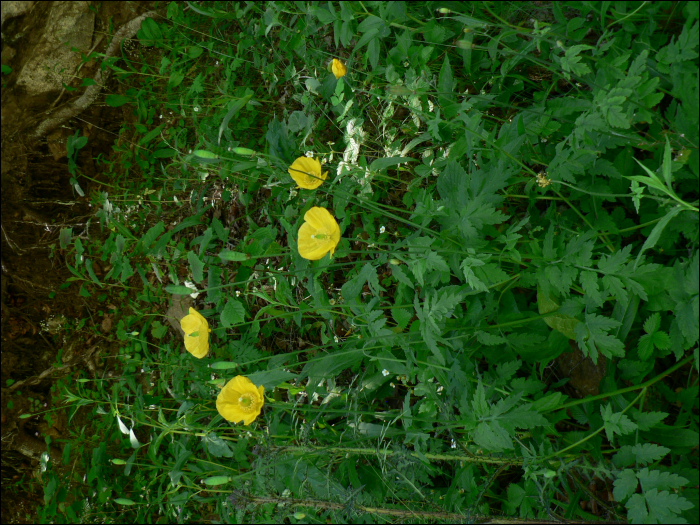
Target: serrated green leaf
x=218, y=448
x=564, y=324
x=625, y=485
x=197, y=266
x=490, y=435
x=661, y=340
x=233, y=313
x=652, y=323
x=645, y=347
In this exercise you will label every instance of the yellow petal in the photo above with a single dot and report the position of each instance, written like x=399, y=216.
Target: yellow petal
x=339, y=69
x=318, y=235
x=310, y=247
x=191, y=322
x=194, y=322
x=229, y=401
x=306, y=173
x=320, y=218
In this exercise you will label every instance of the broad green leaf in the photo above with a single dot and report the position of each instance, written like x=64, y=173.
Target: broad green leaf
x=234, y=108
x=270, y=378
x=564, y=324
x=197, y=266
x=381, y=164
x=655, y=234
x=177, y=289
x=213, y=481
x=233, y=313
x=227, y=255
x=223, y=365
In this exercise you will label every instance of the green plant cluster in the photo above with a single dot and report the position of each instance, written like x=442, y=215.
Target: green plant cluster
x=514, y=183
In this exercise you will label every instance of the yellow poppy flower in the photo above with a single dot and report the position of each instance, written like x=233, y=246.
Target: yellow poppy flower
x=240, y=400
x=318, y=235
x=339, y=69
x=306, y=173
x=197, y=331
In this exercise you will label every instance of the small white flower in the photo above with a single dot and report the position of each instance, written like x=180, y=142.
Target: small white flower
x=335, y=337
x=196, y=109
x=238, y=293
x=385, y=372
x=331, y=302
x=192, y=286
x=382, y=229
x=309, y=154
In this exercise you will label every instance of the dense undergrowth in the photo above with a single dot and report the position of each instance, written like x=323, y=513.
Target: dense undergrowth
x=513, y=183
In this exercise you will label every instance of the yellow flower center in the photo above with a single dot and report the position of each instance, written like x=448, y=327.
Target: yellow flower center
x=247, y=402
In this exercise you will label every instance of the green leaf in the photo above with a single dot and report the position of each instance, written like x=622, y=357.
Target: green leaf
x=384, y=163
x=116, y=101
x=616, y=423
x=177, y=289
x=655, y=479
x=661, y=340
x=223, y=365
x=218, y=448
x=470, y=277
x=271, y=378
x=353, y=287
x=227, y=255
x=589, y=282
x=641, y=453
x=666, y=165
x=592, y=337
x=197, y=266
x=490, y=435
x=655, y=234
x=65, y=237
x=151, y=235
x=645, y=347
x=124, y=501
x=625, y=485
x=401, y=276
x=234, y=107
x=214, y=481
x=214, y=284
x=158, y=330
x=148, y=137
x=652, y=323
x=430, y=261
x=564, y=324
x=233, y=313
x=664, y=507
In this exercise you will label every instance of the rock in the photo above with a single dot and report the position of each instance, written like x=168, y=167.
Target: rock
x=52, y=63
x=179, y=308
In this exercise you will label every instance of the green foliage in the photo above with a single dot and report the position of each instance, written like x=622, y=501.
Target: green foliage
x=492, y=221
